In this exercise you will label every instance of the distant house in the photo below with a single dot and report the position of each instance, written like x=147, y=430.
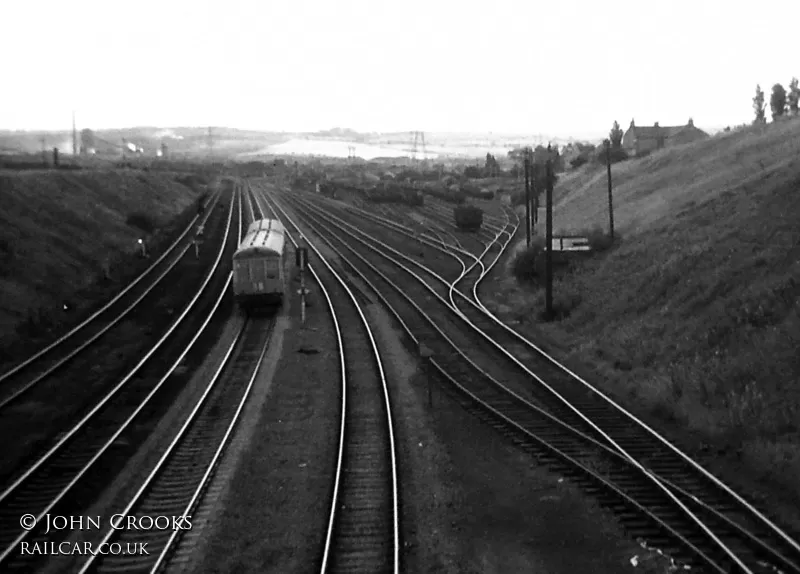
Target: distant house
x=641, y=139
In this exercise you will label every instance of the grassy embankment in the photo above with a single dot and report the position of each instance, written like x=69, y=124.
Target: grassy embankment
x=693, y=318
x=59, y=229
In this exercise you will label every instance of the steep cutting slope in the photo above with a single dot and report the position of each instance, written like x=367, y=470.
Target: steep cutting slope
x=693, y=319
x=58, y=228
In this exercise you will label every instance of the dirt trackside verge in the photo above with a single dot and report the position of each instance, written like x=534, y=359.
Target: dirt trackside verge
x=472, y=502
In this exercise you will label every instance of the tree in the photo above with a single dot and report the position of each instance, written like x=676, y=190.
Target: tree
x=615, y=135
x=492, y=167
x=777, y=101
x=794, y=96
x=87, y=140
x=758, y=106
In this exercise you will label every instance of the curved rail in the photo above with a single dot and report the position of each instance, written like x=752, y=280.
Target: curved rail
x=58, y=342
x=597, y=429
x=746, y=506
x=47, y=482
x=358, y=536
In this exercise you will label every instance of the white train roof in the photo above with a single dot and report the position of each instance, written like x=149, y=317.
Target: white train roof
x=264, y=237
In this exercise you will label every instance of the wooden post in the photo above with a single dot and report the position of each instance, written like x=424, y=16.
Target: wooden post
x=610, y=203
x=535, y=192
x=527, y=201
x=301, y=257
x=549, y=238
x=302, y=297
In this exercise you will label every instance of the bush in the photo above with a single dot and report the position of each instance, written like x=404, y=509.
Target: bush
x=579, y=161
x=142, y=221
x=566, y=298
x=617, y=155
x=524, y=267
x=600, y=241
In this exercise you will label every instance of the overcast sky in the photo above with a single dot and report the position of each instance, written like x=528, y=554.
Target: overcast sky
x=558, y=68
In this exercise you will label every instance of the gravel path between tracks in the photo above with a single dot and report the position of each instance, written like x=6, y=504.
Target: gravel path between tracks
x=471, y=502
x=120, y=491
x=273, y=517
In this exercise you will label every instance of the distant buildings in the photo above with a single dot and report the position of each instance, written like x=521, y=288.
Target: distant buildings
x=642, y=139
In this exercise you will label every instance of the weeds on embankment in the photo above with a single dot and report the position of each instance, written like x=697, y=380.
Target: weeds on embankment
x=693, y=318
x=60, y=233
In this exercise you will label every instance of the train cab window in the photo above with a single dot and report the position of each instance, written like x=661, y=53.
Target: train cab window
x=272, y=268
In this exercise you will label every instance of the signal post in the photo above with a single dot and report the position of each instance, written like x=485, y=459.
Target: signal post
x=301, y=260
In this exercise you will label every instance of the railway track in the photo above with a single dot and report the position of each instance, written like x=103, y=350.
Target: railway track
x=577, y=403
x=23, y=376
x=477, y=269
x=363, y=527
x=67, y=478
x=79, y=365
x=176, y=484
x=705, y=521
x=501, y=235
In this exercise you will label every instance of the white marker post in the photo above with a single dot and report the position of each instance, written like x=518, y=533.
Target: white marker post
x=301, y=258
x=198, y=239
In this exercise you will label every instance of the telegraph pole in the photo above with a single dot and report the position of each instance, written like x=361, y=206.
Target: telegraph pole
x=210, y=143
x=535, y=191
x=527, y=202
x=610, y=202
x=549, y=247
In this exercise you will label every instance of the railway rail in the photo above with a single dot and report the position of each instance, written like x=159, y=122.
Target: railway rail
x=477, y=270
x=697, y=512
x=176, y=484
x=100, y=348
x=23, y=376
x=363, y=528
x=67, y=477
x=573, y=403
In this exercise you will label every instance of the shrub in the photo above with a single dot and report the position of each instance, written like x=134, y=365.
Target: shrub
x=566, y=298
x=579, y=161
x=617, y=155
x=142, y=221
x=599, y=240
x=525, y=263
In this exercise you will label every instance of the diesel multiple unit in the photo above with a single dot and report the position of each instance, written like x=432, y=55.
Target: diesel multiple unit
x=259, y=277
